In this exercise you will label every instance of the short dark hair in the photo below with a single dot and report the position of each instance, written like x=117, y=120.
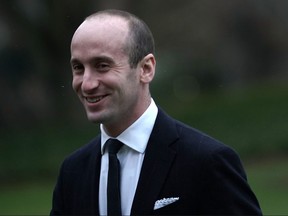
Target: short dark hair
x=140, y=41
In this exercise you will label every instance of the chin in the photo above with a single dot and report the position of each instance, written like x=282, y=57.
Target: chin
x=97, y=118
x=100, y=117
x=93, y=119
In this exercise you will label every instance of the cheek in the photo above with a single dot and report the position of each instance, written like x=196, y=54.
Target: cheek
x=131, y=88
x=76, y=83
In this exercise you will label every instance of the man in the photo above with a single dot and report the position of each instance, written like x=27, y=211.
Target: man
x=166, y=166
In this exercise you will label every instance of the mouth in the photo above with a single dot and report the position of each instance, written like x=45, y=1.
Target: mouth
x=94, y=99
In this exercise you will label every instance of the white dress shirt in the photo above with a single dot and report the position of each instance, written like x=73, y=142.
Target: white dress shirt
x=131, y=155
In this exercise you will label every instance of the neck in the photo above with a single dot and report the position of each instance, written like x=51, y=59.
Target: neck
x=115, y=129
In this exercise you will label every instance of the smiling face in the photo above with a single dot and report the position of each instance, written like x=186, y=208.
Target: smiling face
x=111, y=91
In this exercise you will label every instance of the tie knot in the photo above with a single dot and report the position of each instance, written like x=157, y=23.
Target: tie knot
x=113, y=146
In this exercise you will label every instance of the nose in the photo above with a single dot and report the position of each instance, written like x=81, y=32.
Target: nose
x=90, y=82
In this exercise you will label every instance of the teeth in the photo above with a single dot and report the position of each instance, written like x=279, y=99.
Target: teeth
x=94, y=100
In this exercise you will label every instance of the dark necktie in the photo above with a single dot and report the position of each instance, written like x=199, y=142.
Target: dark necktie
x=113, y=184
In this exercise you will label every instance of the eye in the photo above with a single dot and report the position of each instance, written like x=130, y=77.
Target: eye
x=76, y=68
x=103, y=67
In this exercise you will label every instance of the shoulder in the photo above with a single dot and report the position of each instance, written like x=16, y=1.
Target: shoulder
x=206, y=149
x=192, y=141
x=189, y=134
x=82, y=155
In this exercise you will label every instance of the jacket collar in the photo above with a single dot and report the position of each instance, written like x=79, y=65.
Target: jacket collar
x=158, y=159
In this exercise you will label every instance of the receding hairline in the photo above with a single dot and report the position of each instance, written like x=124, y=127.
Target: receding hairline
x=117, y=14
x=106, y=16
x=139, y=38
x=112, y=13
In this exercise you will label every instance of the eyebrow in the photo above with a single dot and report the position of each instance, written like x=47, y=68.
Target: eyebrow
x=74, y=60
x=94, y=59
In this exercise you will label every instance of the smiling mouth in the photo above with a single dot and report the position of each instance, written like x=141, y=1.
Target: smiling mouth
x=94, y=99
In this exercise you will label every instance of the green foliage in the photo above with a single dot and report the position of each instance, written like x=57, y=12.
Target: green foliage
x=26, y=199
x=253, y=121
x=38, y=151
x=268, y=177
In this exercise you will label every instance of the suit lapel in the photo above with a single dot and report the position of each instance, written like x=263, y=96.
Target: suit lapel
x=158, y=159
x=94, y=170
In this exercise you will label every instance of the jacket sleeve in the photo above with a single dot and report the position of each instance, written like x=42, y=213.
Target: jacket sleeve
x=226, y=187
x=58, y=196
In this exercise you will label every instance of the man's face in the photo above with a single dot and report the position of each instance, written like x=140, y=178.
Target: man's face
x=102, y=78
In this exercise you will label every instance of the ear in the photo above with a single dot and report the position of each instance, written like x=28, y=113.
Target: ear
x=148, y=65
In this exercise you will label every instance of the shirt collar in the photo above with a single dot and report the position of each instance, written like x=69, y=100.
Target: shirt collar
x=136, y=136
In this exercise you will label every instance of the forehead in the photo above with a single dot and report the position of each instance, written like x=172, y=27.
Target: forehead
x=111, y=31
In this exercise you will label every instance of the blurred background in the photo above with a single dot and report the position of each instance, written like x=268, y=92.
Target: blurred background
x=222, y=67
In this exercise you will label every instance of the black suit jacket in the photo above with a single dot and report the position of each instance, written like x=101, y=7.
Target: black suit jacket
x=180, y=161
